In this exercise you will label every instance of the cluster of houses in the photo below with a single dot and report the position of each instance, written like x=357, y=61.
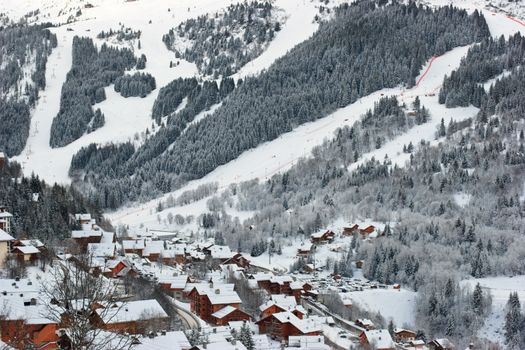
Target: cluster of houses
x=281, y=319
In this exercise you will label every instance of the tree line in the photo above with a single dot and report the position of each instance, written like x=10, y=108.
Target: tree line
x=21, y=47
x=362, y=49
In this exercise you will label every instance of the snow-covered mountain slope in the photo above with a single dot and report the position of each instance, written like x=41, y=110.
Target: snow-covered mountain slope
x=128, y=118
x=279, y=155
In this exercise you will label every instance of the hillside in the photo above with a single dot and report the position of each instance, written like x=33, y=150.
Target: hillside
x=257, y=128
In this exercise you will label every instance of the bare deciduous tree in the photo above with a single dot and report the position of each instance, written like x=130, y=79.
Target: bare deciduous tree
x=74, y=294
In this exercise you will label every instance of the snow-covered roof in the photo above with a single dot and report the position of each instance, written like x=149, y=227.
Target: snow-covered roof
x=4, y=236
x=179, y=282
x=85, y=233
x=218, y=294
x=23, y=285
x=153, y=248
x=132, y=311
x=220, y=252
x=101, y=249
x=281, y=279
x=285, y=302
x=223, y=345
x=107, y=237
x=136, y=244
x=380, y=338
x=27, y=250
x=262, y=276
x=83, y=217
x=5, y=214
x=175, y=340
x=305, y=246
x=365, y=322
x=302, y=325
x=225, y=311
x=32, y=242
x=14, y=309
x=444, y=343
x=310, y=342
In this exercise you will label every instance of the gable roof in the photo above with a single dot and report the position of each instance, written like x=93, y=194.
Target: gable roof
x=225, y=311
x=218, y=294
x=380, y=338
x=27, y=249
x=4, y=236
x=31, y=242
x=302, y=325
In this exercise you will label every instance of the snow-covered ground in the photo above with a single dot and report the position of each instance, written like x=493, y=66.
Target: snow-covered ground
x=396, y=304
x=500, y=289
x=128, y=118
x=282, y=153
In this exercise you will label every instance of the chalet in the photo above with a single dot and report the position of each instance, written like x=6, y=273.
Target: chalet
x=441, y=344
x=404, y=335
x=208, y=298
x=5, y=246
x=175, y=285
x=134, y=246
x=282, y=325
x=24, y=324
x=153, y=250
x=115, y=268
x=219, y=253
x=132, y=317
x=83, y=219
x=262, y=279
x=367, y=231
x=359, y=264
x=26, y=254
x=379, y=339
x=322, y=237
x=228, y=314
x=308, y=268
x=305, y=249
x=239, y=260
x=85, y=237
x=365, y=323
x=175, y=254
x=280, y=285
x=102, y=250
x=281, y=303
x=350, y=230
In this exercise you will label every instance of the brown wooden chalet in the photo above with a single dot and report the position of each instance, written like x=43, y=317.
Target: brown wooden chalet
x=404, y=335
x=350, y=230
x=239, y=260
x=285, y=324
x=207, y=299
x=322, y=237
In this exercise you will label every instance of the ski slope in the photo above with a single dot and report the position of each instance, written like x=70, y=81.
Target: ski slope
x=281, y=154
x=128, y=118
